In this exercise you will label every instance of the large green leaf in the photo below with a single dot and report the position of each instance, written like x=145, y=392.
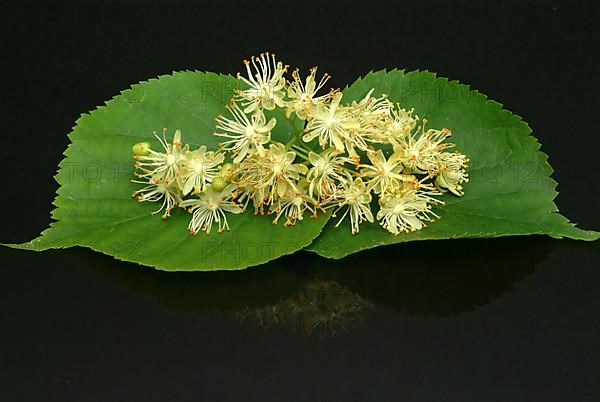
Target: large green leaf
x=94, y=207
x=510, y=191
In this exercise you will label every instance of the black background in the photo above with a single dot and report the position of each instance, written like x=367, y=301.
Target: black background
x=482, y=320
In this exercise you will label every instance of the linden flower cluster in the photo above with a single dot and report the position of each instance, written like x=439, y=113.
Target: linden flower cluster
x=352, y=157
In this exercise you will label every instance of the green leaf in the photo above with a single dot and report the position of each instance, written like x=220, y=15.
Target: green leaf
x=94, y=207
x=510, y=191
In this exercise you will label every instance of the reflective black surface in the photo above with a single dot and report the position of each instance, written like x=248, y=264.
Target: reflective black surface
x=511, y=319
x=463, y=318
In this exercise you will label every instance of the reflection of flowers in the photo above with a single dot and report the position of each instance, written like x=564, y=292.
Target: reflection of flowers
x=320, y=307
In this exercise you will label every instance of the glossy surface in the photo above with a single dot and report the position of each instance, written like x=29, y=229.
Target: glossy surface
x=516, y=319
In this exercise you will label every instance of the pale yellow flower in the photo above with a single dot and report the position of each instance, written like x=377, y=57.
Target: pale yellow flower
x=282, y=172
x=210, y=207
x=333, y=124
x=419, y=151
x=401, y=124
x=326, y=172
x=258, y=196
x=275, y=173
x=266, y=84
x=373, y=115
x=406, y=212
x=384, y=175
x=356, y=197
x=157, y=190
x=302, y=96
x=200, y=169
x=166, y=165
x=452, y=172
x=245, y=133
x=293, y=204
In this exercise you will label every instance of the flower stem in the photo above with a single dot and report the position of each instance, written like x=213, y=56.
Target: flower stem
x=291, y=143
x=300, y=151
x=297, y=135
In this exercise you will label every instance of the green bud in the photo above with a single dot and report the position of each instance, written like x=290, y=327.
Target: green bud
x=227, y=171
x=141, y=149
x=218, y=183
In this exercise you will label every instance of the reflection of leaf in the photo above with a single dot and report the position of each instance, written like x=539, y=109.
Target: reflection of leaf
x=423, y=278
x=440, y=278
x=510, y=191
x=201, y=291
x=94, y=206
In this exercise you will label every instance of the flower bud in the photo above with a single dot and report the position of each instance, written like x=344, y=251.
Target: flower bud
x=227, y=171
x=141, y=149
x=218, y=183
